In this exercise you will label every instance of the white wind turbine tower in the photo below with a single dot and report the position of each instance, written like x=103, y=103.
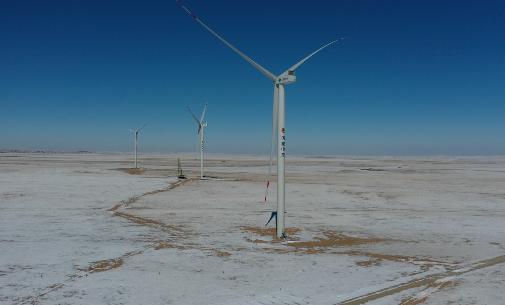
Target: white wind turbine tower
x=136, y=136
x=201, y=127
x=278, y=121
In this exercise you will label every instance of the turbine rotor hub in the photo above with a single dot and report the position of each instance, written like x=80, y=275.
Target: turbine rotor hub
x=286, y=78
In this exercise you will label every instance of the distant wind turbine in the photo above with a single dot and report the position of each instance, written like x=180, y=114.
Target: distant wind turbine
x=201, y=127
x=278, y=120
x=136, y=135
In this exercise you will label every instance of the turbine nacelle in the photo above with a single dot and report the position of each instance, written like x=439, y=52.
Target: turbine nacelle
x=136, y=131
x=200, y=122
x=286, y=78
x=201, y=126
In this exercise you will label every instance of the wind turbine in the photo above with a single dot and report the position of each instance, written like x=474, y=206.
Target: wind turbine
x=201, y=127
x=136, y=135
x=278, y=118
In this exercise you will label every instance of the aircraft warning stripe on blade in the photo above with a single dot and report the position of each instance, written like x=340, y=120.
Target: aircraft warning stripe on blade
x=257, y=66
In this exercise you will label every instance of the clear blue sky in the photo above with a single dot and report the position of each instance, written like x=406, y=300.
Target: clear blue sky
x=411, y=77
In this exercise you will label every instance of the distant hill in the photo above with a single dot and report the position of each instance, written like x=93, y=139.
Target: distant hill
x=22, y=151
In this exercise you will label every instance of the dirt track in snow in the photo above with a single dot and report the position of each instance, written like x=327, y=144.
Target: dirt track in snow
x=438, y=281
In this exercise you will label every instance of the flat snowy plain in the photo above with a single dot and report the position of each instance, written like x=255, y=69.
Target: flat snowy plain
x=83, y=229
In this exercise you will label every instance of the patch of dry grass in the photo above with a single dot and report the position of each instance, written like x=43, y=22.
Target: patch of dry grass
x=384, y=257
x=104, y=265
x=264, y=231
x=178, y=230
x=221, y=253
x=132, y=171
x=368, y=263
x=413, y=301
x=257, y=241
x=168, y=245
x=333, y=239
x=437, y=285
x=378, y=257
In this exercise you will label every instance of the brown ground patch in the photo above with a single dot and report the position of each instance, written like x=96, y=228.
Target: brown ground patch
x=399, y=258
x=221, y=253
x=53, y=286
x=334, y=239
x=173, y=185
x=105, y=265
x=264, y=231
x=279, y=250
x=368, y=263
x=384, y=257
x=12, y=195
x=156, y=191
x=438, y=285
x=133, y=171
x=124, y=203
x=115, y=207
x=130, y=200
x=257, y=241
x=413, y=301
x=133, y=199
x=173, y=229
x=432, y=280
x=448, y=284
x=318, y=245
x=109, y=264
x=168, y=245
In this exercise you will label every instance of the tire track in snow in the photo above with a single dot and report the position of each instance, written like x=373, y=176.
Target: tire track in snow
x=91, y=268
x=435, y=280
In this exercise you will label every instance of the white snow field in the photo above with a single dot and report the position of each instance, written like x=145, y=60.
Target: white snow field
x=83, y=229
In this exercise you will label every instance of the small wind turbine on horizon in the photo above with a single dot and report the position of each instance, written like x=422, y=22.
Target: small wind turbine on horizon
x=136, y=136
x=278, y=117
x=201, y=127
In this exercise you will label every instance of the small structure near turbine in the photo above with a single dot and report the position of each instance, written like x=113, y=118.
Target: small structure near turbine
x=136, y=137
x=180, y=174
x=278, y=121
x=201, y=127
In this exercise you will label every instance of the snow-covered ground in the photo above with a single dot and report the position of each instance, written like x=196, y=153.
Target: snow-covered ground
x=82, y=229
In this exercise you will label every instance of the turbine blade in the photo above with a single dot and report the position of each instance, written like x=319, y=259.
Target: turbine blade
x=298, y=64
x=247, y=58
x=199, y=128
x=194, y=116
x=143, y=126
x=203, y=114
